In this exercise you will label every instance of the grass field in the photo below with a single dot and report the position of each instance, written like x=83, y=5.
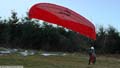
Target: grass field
x=68, y=61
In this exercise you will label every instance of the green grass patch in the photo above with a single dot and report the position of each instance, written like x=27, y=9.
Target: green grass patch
x=68, y=61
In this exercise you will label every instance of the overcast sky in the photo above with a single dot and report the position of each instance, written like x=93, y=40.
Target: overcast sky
x=99, y=12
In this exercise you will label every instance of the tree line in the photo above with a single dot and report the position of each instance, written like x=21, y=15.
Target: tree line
x=31, y=34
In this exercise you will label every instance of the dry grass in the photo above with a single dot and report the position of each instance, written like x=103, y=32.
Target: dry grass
x=68, y=61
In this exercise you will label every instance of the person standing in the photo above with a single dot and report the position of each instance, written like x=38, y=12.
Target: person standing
x=92, y=55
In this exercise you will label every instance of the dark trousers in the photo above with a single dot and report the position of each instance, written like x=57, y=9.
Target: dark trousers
x=92, y=59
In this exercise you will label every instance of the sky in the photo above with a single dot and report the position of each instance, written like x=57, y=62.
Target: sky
x=99, y=12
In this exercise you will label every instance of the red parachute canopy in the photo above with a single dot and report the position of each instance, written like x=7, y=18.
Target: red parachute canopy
x=63, y=16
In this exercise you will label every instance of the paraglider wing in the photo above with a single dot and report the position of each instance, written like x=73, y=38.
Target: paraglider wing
x=63, y=16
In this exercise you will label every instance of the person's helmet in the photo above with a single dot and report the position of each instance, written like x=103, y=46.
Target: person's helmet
x=92, y=48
